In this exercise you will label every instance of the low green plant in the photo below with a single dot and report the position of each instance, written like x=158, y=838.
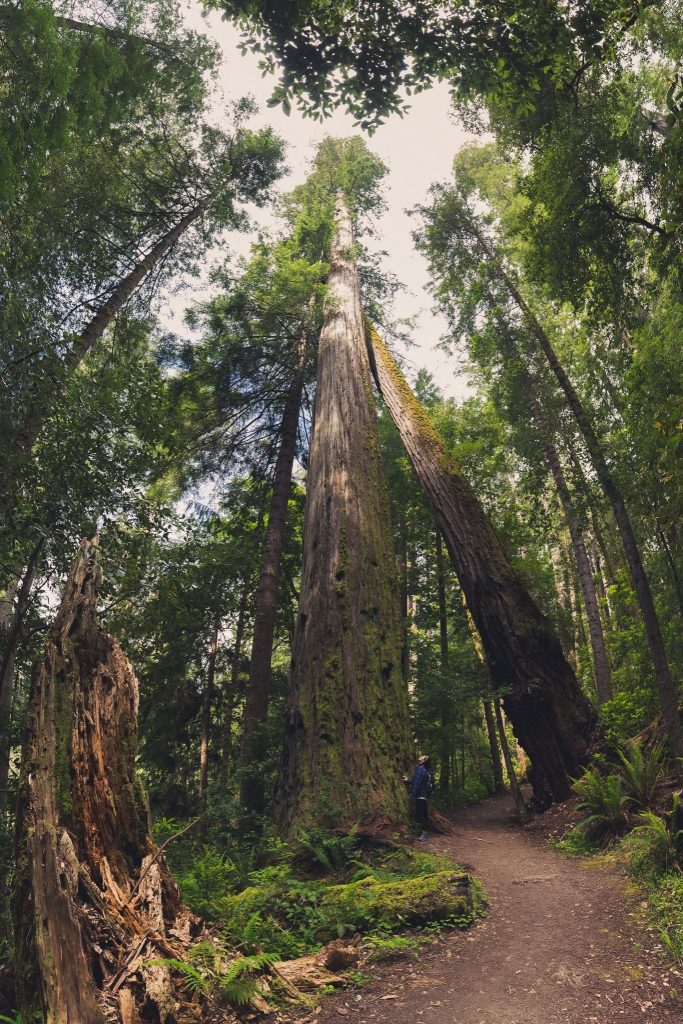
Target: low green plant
x=603, y=797
x=215, y=973
x=656, y=845
x=641, y=772
x=383, y=947
x=210, y=877
x=331, y=851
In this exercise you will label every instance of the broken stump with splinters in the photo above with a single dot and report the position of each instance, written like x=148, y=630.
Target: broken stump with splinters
x=93, y=901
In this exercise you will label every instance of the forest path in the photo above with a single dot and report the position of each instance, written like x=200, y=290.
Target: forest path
x=562, y=942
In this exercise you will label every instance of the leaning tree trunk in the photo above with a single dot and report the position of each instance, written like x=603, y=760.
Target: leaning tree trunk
x=347, y=736
x=496, y=767
x=19, y=447
x=252, y=792
x=666, y=689
x=93, y=901
x=552, y=718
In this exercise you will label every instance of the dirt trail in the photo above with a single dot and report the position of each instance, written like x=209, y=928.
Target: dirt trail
x=562, y=942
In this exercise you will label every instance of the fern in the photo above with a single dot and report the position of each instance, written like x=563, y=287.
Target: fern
x=194, y=980
x=641, y=773
x=330, y=851
x=605, y=800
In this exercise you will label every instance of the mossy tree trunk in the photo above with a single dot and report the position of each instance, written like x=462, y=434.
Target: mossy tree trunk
x=552, y=718
x=252, y=794
x=347, y=738
x=93, y=901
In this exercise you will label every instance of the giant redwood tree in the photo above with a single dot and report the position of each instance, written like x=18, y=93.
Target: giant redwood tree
x=552, y=719
x=347, y=734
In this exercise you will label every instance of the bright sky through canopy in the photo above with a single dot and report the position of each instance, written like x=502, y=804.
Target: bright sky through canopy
x=418, y=150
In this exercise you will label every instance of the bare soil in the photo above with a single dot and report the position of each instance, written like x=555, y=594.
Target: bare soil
x=564, y=940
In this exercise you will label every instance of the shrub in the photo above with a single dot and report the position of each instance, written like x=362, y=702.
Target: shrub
x=604, y=798
x=210, y=877
x=657, y=843
x=641, y=773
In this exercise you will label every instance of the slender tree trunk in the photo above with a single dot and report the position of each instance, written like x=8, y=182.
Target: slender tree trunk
x=444, y=777
x=668, y=698
x=522, y=812
x=207, y=703
x=551, y=717
x=90, y=891
x=498, y=784
x=233, y=686
x=347, y=739
x=252, y=793
x=403, y=593
x=19, y=447
x=603, y=682
x=7, y=669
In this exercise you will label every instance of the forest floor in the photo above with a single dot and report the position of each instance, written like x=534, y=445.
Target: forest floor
x=564, y=940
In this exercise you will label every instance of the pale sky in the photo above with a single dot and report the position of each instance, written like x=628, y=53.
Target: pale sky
x=418, y=150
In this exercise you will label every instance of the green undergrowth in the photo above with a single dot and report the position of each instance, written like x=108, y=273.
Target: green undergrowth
x=630, y=820
x=292, y=900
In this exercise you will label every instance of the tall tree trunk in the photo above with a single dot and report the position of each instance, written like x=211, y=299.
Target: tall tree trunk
x=522, y=812
x=668, y=698
x=207, y=703
x=403, y=594
x=445, y=742
x=347, y=739
x=603, y=682
x=252, y=793
x=233, y=686
x=498, y=784
x=551, y=717
x=92, y=894
x=19, y=447
x=7, y=669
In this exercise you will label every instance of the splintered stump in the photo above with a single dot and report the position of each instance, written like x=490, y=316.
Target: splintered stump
x=94, y=901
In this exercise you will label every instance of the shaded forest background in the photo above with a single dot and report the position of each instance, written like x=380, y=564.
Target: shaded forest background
x=555, y=257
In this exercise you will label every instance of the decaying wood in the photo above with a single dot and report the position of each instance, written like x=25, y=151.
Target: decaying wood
x=94, y=900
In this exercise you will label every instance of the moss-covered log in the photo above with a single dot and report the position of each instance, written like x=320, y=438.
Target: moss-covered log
x=552, y=719
x=93, y=899
x=347, y=733
x=452, y=896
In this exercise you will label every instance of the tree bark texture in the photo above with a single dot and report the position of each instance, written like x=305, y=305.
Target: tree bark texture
x=551, y=717
x=347, y=736
x=252, y=793
x=93, y=901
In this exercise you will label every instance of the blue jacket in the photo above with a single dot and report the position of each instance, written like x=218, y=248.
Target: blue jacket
x=421, y=784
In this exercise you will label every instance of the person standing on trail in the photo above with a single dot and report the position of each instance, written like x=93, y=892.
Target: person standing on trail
x=421, y=788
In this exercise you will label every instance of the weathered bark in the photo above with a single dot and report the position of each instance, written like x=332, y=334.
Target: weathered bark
x=666, y=689
x=233, y=686
x=498, y=784
x=18, y=447
x=9, y=651
x=93, y=900
x=445, y=751
x=207, y=703
x=603, y=682
x=403, y=597
x=347, y=740
x=551, y=717
x=252, y=793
